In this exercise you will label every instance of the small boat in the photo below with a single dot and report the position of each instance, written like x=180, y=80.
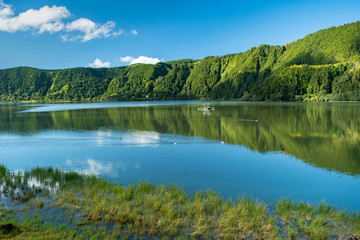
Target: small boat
x=206, y=107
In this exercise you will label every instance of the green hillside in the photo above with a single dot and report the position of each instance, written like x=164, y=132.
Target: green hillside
x=323, y=66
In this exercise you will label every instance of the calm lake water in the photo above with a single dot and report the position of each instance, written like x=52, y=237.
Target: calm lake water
x=307, y=152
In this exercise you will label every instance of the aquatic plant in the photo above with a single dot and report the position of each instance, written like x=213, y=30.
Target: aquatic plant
x=53, y=204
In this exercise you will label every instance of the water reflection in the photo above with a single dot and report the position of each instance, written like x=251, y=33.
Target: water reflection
x=142, y=139
x=96, y=167
x=323, y=135
x=102, y=135
x=110, y=169
x=307, y=152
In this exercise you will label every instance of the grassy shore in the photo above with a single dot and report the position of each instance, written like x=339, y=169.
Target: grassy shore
x=47, y=203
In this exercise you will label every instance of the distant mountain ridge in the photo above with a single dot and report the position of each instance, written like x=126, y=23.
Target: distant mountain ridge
x=322, y=66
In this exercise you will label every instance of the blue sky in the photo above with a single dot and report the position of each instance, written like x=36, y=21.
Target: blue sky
x=54, y=34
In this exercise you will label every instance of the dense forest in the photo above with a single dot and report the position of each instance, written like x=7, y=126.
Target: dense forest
x=323, y=66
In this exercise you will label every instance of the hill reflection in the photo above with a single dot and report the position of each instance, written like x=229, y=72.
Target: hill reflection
x=323, y=135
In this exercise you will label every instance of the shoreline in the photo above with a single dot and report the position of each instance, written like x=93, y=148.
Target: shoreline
x=59, y=204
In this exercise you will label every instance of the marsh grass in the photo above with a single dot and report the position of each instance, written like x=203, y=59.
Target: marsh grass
x=318, y=223
x=47, y=203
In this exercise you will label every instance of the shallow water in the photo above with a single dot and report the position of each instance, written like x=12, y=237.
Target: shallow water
x=307, y=152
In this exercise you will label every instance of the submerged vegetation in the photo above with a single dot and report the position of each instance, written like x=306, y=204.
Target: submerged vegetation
x=48, y=203
x=323, y=66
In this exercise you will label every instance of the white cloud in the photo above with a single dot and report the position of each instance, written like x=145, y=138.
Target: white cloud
x=118, y=33
x=52, y=19
x=45, y=19
x=134, y=32
x=5, y=10
x=99, y=64
x=141, y=59
x=51, y=27
x=89, y=29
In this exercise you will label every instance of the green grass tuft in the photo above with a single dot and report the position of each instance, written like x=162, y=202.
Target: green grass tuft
x=76, y=206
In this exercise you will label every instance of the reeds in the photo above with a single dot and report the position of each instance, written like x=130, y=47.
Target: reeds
x=315, y=222
x=56, y=204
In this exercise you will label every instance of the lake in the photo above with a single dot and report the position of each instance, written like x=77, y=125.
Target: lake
x=303, y=151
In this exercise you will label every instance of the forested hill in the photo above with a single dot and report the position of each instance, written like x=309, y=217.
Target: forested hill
x=320, y=67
